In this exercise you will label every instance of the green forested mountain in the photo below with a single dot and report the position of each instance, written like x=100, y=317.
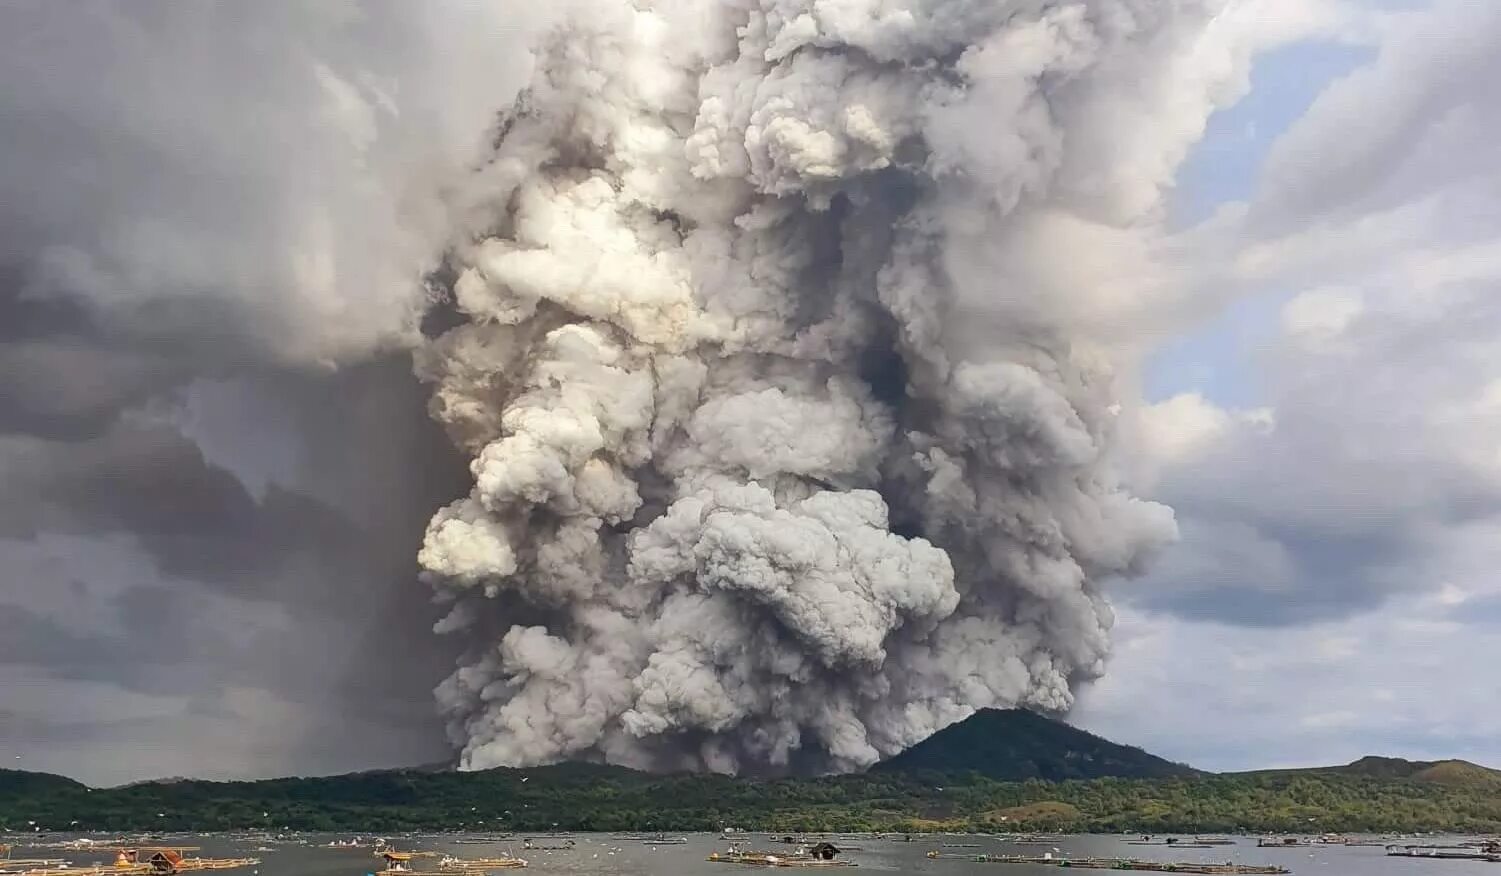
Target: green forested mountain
x=949, y=782
x=1016, y=745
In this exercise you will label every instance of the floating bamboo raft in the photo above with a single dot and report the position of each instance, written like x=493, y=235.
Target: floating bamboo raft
x=1226, y=869
x=481, y=865
x=18, y=865
x=186, y=865
x=57, y=868
x=191, y=864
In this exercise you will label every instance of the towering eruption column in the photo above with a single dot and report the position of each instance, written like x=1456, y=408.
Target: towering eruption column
x=787, y=450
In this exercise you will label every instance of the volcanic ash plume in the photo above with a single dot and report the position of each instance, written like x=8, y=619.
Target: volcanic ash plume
x=775, y=469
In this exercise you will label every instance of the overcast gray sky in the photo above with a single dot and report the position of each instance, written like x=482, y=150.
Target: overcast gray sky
x=1330, y=441
x=215, y=466
x=215, y=473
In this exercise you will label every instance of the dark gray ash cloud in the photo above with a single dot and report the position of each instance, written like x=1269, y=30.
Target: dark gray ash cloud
x=214, y=223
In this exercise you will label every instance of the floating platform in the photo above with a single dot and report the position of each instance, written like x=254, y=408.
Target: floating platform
x=1446, y=853
x=448, y=865
x=772, y=859
x=819, y=856
x=451, y=865
x=128, y=867
x=56, y=869
x=23, y=865
x=1227, y=869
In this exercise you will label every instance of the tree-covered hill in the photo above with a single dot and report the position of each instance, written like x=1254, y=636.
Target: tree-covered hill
x=1016, y=745
x=1459, y=773
x=19, y=783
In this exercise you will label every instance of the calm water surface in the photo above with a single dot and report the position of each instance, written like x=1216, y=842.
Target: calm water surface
x=607, y=853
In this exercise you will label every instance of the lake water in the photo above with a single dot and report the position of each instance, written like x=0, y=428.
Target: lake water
x=614, y=854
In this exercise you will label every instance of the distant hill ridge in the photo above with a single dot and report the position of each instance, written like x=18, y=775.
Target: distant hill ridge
x=1015, y=745
x=1455, y=773
x=970, y=776
x=19, y=783
x=999, y=744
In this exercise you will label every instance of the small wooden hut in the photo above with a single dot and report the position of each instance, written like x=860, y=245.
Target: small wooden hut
x=165, y=861
x=824, y=851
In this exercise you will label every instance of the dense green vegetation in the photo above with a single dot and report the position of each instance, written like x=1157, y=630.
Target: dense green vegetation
x=1016, y=745
x=996, y=771
x=580, y=797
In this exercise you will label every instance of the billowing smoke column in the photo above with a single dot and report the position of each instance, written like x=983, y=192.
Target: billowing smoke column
x=773, y=470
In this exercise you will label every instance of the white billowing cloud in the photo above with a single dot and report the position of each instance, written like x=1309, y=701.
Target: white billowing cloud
x=1179, y=429
x=1382, y=442
x=1320, y=316
x=1092, y=254
x=1398, y=132
x=1378, y=210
